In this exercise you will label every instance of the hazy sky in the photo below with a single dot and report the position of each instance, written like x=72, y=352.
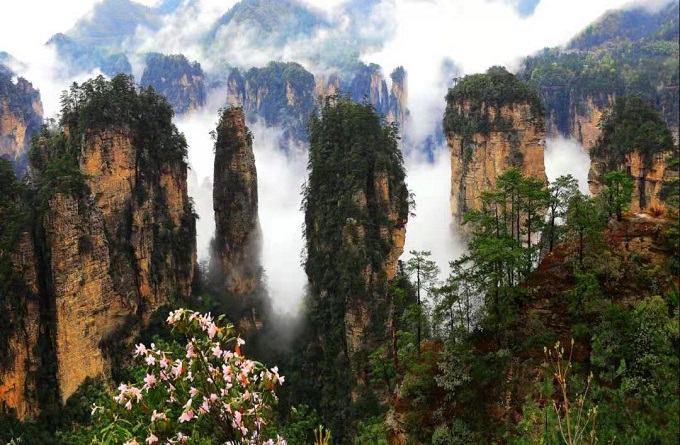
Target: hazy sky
x=28, y=23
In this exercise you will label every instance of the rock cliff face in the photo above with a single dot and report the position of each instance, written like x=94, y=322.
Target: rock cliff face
x=19, y=299
x=634, y=138
x=112, y=238
x=281, y=94
x=87, y=307
x=20, y=364
x=398, y=102
x=489, y=135
x=237, y=245
x=648, y=181
x=174, y=77
x=585, y=118
x=20, y=117
x=356, y=209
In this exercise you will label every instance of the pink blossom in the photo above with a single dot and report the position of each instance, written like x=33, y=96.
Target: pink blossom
x=190, y=350
x=204, y=407
x=164, y=362
x=140, y=349
x=212, y=330
x=186, y=416
x=132, y=441
x=193, y=391
x=158, y=416
x=150, y=360
x=149, y=381
x=217, y=351
x=151, y=439
x=128, y=405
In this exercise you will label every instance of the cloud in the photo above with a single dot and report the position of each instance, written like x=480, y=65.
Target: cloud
x=474, y=35
x=279, y=180
x=567, y=156
x=28, y=24
x=431, y=228
x=183, y=31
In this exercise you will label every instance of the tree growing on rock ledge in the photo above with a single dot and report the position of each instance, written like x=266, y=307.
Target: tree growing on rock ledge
x=356, y=206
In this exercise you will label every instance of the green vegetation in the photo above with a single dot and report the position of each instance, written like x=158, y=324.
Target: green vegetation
x=631, y=125
x=474, y=104
x=174, y=77
x=626, y=52
x=495, y=314
x=351, y=153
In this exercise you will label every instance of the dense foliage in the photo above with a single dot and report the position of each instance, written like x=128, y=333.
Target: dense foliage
x=346, y=218
x=626, y=52
x=474, y=105
x=174, y=77
x=618, y=381
x=631, y=125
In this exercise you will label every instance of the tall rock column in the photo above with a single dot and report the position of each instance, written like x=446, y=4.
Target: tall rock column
x=19, y=300
x=114, y=223
x=356, y=209
x=20, y=118
x=238, y=239
x=493, y=122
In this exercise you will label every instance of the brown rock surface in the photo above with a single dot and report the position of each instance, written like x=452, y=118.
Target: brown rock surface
x=237, y=245
x=20, y=116
x=491, y=155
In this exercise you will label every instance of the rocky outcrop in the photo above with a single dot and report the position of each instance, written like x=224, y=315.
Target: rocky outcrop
x=489, y=135
x=87, y=307
x=356, y=209
x=281, y=94
x=20, y=117
x=648, y=181
x=180, y=81
x=368, y=82
x=398, y=102
x=585, y=118
x=112, y=239
x=20, y=363
x=634, y=138
x=238, y=239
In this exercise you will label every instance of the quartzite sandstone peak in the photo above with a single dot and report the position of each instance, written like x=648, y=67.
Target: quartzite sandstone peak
x=238, y=239
x=493, y=122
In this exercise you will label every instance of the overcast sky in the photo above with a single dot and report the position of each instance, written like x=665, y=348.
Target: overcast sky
x=29, y=23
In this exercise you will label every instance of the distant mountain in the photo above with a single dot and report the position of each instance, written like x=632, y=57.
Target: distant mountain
x=630, y=25
x=111, y=22
x=180, y=81
x=274, y=21
x=80, y=57
x=624, y=52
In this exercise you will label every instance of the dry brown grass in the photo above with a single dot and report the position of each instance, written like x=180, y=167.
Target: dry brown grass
x=657, y=210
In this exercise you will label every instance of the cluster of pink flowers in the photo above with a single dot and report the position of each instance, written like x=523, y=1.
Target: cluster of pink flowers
x=211, y=385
